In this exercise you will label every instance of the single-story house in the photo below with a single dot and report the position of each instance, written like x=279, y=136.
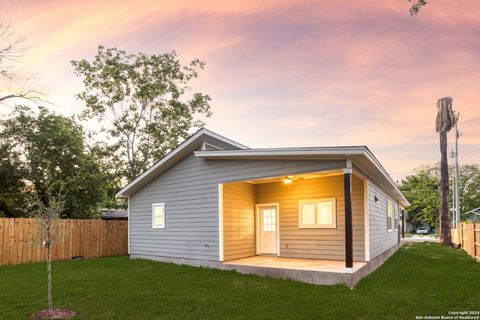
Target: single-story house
x=322, y=215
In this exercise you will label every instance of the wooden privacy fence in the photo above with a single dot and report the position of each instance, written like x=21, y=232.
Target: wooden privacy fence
x=468, y=236
x=87, y=238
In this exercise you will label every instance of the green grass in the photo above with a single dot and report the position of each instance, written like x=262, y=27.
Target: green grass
x=420, y=279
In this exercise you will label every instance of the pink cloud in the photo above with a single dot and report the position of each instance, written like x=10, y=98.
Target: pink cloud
x=287, y=72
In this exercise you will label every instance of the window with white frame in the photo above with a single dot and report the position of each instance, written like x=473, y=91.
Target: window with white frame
x=389, y=215
x=317, y=213
x=158, y=215
x=269, y=219
x=395, y=221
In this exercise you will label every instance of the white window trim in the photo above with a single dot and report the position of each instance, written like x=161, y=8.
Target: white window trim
x=392, y=218
x=129, y=218
x=257, y=224
x=221, y=250
x=396, y=216
x=366, y=213
x=333, y=225
x=159, y=204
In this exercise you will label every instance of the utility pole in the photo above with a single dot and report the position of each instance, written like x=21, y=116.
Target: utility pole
x=454, y=207
x=457, y=184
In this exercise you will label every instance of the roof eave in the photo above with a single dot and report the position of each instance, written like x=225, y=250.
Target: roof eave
x=328, y=152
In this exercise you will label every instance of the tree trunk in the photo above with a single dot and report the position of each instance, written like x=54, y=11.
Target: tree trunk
x=49, y=273
x=445, y=238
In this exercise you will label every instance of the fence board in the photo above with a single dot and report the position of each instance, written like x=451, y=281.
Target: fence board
x=88, y=238
x=469, y=239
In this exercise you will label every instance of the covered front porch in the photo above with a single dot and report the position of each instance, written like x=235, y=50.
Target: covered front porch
x=310, y=226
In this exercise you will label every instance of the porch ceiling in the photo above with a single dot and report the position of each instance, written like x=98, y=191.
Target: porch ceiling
x=300, y=176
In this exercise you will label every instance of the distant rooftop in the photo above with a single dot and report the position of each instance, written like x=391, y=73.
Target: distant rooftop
x=114, y=214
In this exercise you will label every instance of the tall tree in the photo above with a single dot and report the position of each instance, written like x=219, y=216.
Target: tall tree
x=445, y=121
x=143, y=101
x=42, y=144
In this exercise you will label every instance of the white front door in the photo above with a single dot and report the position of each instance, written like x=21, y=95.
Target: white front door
x=267, y=233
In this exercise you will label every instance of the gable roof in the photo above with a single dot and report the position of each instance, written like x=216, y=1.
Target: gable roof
x=361, y=157
x=183, y=149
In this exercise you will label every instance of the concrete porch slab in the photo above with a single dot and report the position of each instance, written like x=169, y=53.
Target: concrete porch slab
x=323, y=272
x=295, y=264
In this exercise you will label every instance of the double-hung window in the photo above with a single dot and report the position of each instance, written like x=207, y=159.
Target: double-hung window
x=317, y=213
x=396, y=217
x=158, y=215
x=389, y=215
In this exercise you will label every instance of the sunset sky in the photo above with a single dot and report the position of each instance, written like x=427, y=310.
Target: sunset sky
x=284, y=73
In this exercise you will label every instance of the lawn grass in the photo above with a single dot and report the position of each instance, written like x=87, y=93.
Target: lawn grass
x=420, y=279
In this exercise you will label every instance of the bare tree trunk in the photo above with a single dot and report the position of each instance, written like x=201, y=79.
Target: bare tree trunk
x=49, y=272
x=445, y=238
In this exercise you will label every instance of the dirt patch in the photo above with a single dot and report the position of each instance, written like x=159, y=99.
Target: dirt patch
x=56, y=314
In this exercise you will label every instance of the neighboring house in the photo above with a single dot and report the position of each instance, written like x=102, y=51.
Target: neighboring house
x=114, y=214
x=323, y=215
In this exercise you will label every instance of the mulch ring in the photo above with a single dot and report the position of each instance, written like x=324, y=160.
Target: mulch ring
x=56, y=314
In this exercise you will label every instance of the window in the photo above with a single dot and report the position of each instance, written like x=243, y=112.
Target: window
x=269, y=219
x=319, y=213
x=158, y=215
x=389, y=215
x=395, y=221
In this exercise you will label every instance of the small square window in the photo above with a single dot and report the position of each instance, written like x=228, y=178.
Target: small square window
x=317, y=213
x=158, y=215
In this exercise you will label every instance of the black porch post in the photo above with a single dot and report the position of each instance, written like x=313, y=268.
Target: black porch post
x=403, y=223
x=347, y=190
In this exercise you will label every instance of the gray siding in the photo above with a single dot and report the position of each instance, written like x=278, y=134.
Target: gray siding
x=328, y=243
x=380, y=239
x=189, y=190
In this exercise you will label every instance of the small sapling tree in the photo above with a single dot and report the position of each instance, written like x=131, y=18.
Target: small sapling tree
x=47, y=213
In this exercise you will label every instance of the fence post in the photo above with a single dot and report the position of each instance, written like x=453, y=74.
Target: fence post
x=460, y=236
x=475, y=241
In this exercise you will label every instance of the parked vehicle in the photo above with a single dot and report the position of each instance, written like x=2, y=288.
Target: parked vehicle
x=422, y=230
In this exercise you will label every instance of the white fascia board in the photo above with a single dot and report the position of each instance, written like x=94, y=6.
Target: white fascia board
x=341, y=152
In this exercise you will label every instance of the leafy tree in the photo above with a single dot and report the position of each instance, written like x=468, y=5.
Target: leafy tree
x=46, y=144
x=142, y=100
x=11, y=186
x=469, y=185
x=422, y=191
